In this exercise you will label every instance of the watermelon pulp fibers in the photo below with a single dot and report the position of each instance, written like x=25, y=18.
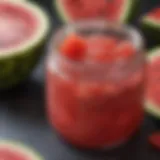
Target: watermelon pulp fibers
x=113, y=10
x=91, y=112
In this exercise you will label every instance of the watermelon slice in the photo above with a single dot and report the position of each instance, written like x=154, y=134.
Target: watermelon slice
x=17, y=151
x=152, y=99
x=14, y=0
x=23, y=31
x=113, y=10
x=151, y=24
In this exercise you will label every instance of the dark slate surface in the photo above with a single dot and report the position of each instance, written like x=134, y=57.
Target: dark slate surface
x=22, y=117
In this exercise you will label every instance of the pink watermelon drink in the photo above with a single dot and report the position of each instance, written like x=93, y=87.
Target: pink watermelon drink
x=95, y=82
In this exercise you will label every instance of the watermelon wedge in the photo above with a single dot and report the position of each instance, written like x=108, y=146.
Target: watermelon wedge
x=14, y=0
x=113, y=10
x=24, y=28
x=17, y=151
x=151, y=24
x=152, y=99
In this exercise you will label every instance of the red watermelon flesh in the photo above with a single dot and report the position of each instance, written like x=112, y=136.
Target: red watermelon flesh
x=17, y=25
x=9, y=154
x=155, y=14
x=153, y=88
x=80, y=9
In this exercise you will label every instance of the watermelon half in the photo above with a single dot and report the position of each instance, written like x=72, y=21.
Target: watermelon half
x=114, y=10
x=23, y=30
x=152, y=99
x=151, y=24
x=13, y=0
x=17, y=151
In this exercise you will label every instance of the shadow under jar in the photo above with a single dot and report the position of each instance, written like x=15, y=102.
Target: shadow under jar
x=95, y=105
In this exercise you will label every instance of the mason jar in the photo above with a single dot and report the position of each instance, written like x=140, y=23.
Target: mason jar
x=95, y=105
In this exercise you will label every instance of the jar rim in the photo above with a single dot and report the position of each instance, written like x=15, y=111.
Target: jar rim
x=134, y=34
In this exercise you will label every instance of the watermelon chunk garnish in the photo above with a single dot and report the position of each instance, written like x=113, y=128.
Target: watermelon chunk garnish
x=73, y=47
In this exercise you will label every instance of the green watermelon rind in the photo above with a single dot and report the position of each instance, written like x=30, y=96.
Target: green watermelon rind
x=150, y=22
x=151, y=107
x=17, y=68
x=129, y=11
x=20, y=147
x=128, y=14
x=17, y=63
x=61, y=11
x=133, y=11
x=151, y=28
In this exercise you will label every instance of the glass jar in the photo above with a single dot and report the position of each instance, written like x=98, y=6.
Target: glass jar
x=95, y=105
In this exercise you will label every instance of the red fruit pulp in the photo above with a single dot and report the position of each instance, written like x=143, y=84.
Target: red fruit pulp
x=9, y=154
x=154, y=140
x=94, y=113
x=16, y=25
x=74, y=47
